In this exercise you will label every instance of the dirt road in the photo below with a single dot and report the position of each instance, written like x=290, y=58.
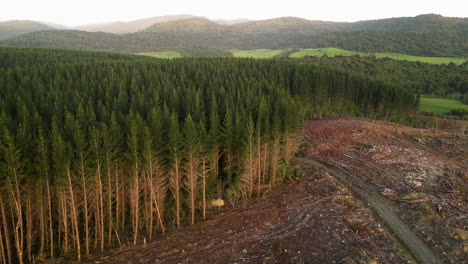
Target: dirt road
x=416, y=179
x=380, y=205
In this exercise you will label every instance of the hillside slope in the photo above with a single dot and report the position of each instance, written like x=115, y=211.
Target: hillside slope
x=10, y=29
x=122, y=27
x=194, y=24
x=419, y=24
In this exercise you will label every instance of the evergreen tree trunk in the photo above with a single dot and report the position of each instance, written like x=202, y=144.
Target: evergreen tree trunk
x=192, y=177
x=42, y=218
x=265, y=162
x=154, y=202
x=74, y=214
x=6, y=229
x=99, y=207
x=51, y=226
x=274, y=161
x=122, y=202
x=215, y=162
x=289, y=148
x=135, y=205
x=109, y=202
x=148, y=204
x=64, y=218
x=29, y=224
x=176, y=187
x=19, y=227
x=251, y=168
x=85, y=204
x=2, y=247
x=161, y=189
x=204, y=172
x=259, y=164
x=118, y=200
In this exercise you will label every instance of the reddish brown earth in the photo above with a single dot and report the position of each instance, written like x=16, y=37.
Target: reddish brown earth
x=317, y=220
x=313, y=220
x=422, y=174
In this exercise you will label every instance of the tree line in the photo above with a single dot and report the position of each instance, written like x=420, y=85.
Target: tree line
x=98, y=150
x=445, y=80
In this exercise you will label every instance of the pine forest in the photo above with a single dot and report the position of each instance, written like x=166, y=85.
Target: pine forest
x=99, y=149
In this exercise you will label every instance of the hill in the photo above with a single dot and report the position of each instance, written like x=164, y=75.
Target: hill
x=427, y=35
x=289, y=25
x=193, y=24
x=419, y=24
x=15, y=28
x=121, y=27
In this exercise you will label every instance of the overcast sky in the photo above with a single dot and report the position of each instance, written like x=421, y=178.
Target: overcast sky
x=78, y=12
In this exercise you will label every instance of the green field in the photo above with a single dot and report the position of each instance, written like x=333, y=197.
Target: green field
x=162, y=54
x=269, y=53
x=439, y=105
x=326, y=51
x=258, y=53
x=395, y=56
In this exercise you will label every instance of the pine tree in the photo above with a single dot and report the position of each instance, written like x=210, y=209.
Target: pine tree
x=192, y=163
x=133, y=146
x=249, y=146
x=175, y=150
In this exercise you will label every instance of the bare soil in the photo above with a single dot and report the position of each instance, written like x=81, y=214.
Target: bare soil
x=313, y=220
x=421, y=174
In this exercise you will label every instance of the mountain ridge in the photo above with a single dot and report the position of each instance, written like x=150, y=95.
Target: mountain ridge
x=123, y=27
x=424, y=35
x=13, y=28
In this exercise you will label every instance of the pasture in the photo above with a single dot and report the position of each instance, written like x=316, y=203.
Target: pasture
x=396, y=56
x=439, y=105
x=162, y=54
x=257, y=53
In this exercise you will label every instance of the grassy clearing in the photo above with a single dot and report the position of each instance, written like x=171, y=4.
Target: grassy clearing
x=162, y=54
x=439, y=105
x=432, y=60
x=258, y=53
x=395, y=56
x=325, y=51
x=269, y=53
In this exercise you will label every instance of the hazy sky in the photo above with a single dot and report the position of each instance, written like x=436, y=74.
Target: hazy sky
x=77, y=12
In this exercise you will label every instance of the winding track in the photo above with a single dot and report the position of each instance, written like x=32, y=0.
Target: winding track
x=380, y=205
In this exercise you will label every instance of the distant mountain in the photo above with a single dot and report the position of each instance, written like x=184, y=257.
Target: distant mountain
x=193, y=24
x=426, y=35
x=130, y=26
x=428, y=23
x=289, y=25
x=231, y=21
x=54, y=25
x=10, y=29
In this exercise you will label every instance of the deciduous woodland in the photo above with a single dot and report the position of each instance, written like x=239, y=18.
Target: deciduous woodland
x=103, y=149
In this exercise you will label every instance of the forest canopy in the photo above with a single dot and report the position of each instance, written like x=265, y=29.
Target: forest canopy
x=446, y=80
